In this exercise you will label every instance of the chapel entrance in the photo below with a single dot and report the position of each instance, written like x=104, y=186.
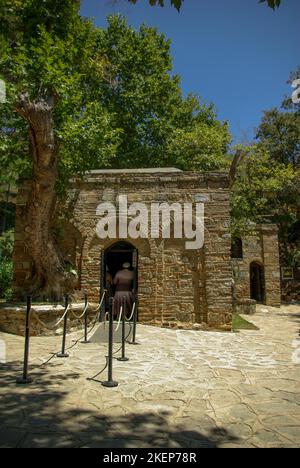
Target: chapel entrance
x=113, y=259
x=257, y=282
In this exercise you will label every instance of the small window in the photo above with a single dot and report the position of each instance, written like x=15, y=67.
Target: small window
x=7, y=216
x=237, y=248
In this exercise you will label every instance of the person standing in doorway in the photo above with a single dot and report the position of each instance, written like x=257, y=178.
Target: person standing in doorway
x=123, y=282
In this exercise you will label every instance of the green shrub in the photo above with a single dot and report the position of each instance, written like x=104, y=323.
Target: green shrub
x=6, y=275
x=7, y=240
x=294, y=258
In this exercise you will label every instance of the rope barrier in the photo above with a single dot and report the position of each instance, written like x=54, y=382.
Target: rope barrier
x=134, y=342
x=85, y=340
x=105, y=319
x=49, y=326
x=123, y=358
x=62, y=318
x=91, y=310
x=82, y=315
x=102, y=299
x=109, y=359
x=100, y=304
x=110, y=383
x=97, y=316
x=63, y=353
x=44, y=325
x=131, y=316
x=25, y=379
x=101, y=372
x=77, y=341
x=116, y=352
x=120, y=317
x=126, y=338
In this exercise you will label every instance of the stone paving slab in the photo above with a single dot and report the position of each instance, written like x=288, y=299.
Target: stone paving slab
x=180, y=389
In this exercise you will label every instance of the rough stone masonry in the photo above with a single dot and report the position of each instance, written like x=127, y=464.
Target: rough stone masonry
x=177, y=287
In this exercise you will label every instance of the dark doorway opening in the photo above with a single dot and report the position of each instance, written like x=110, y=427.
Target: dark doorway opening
x=7, y=216
x=237, y=248
x=257, y=281
x=114, y=258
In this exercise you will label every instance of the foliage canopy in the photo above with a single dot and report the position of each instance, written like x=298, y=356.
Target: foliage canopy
x=117, y=103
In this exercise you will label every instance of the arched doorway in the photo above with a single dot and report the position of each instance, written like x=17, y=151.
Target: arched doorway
x=257, y=282
x=112, y=260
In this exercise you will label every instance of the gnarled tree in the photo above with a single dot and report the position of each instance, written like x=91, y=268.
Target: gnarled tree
x=46, y=51
x=178, y=3
x=87, y=98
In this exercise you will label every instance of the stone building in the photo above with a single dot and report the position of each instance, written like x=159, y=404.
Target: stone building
x=256, y=266
x=176, y=286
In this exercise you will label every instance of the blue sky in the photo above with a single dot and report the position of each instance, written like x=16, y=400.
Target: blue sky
x=237, y=54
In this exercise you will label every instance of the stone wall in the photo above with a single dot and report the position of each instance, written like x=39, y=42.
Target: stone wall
x=43, y=319
x=271, y=261
x=177, y=287
x=291, y=288
x=260, y=247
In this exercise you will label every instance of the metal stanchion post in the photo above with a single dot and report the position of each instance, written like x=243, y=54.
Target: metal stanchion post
x=25, y=379
x=123, y=358
x=110, y=382
x=134, y=342
x=103, y=306
x=63, y=354
x=85, y=341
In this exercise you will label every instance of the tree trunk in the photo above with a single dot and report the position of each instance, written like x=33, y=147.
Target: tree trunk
x=48, y=276
x=238, y=158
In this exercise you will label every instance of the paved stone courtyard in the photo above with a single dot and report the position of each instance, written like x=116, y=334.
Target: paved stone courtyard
x=180, y=389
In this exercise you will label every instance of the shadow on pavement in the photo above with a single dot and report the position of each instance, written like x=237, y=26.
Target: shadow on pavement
x=31, y=416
